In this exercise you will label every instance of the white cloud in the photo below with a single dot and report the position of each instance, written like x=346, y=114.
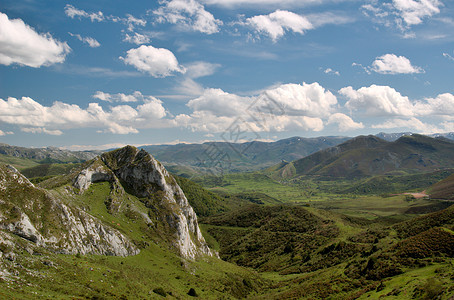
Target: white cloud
x=386, y=101
x=137, y=38
x=93, y=43
x=120, y=97
x=448, y=56
x=189, y=14
x=286, y=107
x=276, y=23
x=151, y=109
x=331, y=71
x=73, y=12
x=201, y=69
x=132, y=21
x=41, y=130
x=393, y=64
x=344, y=122
x=158, y=62
x=33, y=117
x=326, y=18
x=3, y=133
x=220, y=103
x=413, y=11
x=442, y=105
x=304, y=100
x=187, y=86
x=377, y=101
x=97, y=71
x=411, y=123
x=254, y=3
x=401, y=13
x=21, y=44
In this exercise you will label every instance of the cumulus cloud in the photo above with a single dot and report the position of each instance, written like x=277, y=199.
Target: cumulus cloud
x=289, y=3
x=286, y=107
x=33, y=117
x=441, y=105
x=277, y=23
x=73, y=12
x=220, y=103
x=158, y=62
x=304, y=100
x=386, y=101
x=137, y=38
x=413, y=123
x=414, y=11
x=344, y=122
x=120, y=97
x=21, y=44
x=393, y=64
x=189, y=14
x=401, y=13
x=93, y=43
x=377, y=101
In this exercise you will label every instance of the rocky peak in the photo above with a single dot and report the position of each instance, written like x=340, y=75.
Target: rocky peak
x=144, y=177
x=45, y=220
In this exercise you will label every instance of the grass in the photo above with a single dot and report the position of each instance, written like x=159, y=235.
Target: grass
x=134, y=277
x=17, y=162
x=315, y=193
x=156, y=268
x=414, y=284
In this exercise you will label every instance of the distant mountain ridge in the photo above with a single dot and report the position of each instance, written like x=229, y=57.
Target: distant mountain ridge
x=240, y=157
x=391, y=137
x=371, y=155
x=48, y=154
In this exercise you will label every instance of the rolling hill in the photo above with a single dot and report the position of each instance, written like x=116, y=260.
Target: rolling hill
x=47, y=155
x=443, y=189
x=119, y=226
x=237, y=157
x=369, y=155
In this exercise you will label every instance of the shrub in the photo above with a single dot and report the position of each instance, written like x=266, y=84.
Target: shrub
x=160, y=291
x=192, y=292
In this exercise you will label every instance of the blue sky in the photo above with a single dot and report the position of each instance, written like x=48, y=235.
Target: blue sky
x=97, y=74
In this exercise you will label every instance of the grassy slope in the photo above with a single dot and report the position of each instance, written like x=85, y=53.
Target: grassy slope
x=17, y=162
x=443, y=189
x=413, y=259
x=135, y=277
x=369, y=156
x=322, y=195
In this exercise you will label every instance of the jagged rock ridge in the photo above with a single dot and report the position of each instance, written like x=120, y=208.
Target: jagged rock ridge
x=143, y=176
x=38, y=216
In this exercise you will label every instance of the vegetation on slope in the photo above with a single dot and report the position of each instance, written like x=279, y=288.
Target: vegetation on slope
x=368, y=156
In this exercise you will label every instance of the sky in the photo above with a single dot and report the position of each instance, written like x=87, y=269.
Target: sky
x=102, y=74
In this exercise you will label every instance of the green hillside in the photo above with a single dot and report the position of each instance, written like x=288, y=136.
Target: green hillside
x=368, y=156
x=237, y=157
x=443, y=189
x=308, y=237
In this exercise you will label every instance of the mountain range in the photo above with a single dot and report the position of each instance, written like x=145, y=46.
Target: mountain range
x=120, y=226
x=369, y=155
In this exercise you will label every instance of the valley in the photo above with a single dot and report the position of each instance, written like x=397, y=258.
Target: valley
x=340, y=223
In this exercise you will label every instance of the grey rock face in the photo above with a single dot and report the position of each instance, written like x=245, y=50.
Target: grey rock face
x=145, y=177
x=26, y=211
